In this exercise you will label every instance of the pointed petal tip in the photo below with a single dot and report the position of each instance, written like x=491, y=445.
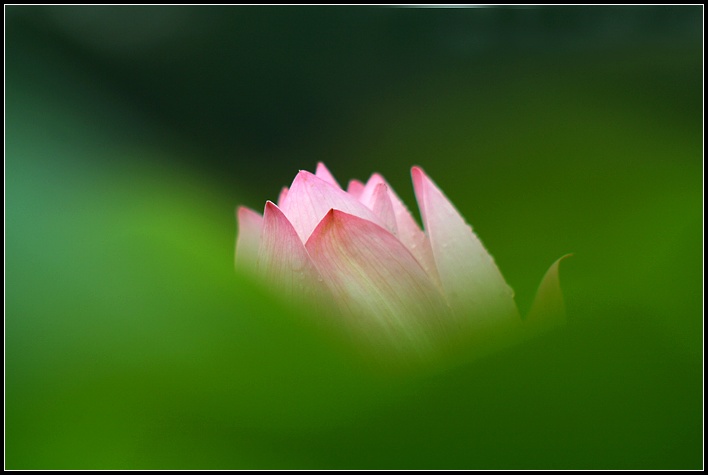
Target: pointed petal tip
x=270, y=207
x=548, y=308
x=303, y=176
x=283, y=260
x=337, y=219
x=323, y=173
x=321, y=168
x=379, y=285
x=336, y=216
x=283, y=195
x=419, y=180
x=309, y=176
x=355, y=188
x=311, y=197
x=468, y=274
x=382, y=206
x=243, y=212
x=417, y=173
x=556, y=264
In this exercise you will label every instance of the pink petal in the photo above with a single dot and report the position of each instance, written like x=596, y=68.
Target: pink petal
x=375, y=280
x=310, y=198
x=282, y=196
x=548, y=310
x=355, y=188
x=282, y=258
x=367, y=194
x=249, y=234
x=469, y=276
x=382, y=207
x=323, y=173
x=410, y=234
x=408, y=231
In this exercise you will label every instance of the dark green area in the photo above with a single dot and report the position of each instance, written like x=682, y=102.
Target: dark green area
x=132, y=133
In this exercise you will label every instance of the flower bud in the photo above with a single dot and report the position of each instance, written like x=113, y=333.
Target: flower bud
x=360, y=254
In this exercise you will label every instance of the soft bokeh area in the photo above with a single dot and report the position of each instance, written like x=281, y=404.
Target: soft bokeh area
x=132, y=133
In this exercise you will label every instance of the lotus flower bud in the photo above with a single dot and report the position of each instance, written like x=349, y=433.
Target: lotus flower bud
x=360, y=255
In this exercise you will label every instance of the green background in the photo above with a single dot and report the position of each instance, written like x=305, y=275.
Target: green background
x=133, y=133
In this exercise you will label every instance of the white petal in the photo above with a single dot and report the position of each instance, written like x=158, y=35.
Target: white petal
x=283, y=260
x=382, y=207
x=376, y=281
x=469, y=276
x=410, y=234
x=407, y=230
x=249, y=234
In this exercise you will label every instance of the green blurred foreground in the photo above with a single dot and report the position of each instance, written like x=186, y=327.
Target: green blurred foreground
x=132, y=343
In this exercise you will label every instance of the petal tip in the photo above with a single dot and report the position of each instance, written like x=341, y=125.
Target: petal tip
x=355, y=188
x=283, y=195
x=270, y=206
x=244, y=212
x=419, y=180
x=417, y=172
x=548, y=308
x=323, y=173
